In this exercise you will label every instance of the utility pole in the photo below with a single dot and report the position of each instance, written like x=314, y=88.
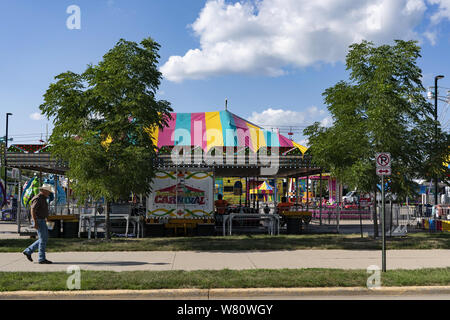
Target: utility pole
x=6, y=150
x=436, y=178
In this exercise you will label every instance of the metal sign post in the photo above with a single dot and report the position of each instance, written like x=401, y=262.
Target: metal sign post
x=383, y=230
x=383, y=161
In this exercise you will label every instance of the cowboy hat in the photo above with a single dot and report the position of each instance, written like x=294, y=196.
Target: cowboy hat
x=47, y=187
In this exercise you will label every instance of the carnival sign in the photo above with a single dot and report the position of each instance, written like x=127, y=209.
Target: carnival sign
x=182, y=194
x=179, y=194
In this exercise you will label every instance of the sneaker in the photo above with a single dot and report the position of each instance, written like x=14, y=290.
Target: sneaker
x=45, y=262
x=28, y=256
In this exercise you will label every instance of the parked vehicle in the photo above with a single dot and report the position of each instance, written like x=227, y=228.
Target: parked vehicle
x=350, y=197
x=353, y=199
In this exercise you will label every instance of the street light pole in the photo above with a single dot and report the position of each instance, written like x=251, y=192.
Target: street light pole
x=6, y=149
x=436, y=133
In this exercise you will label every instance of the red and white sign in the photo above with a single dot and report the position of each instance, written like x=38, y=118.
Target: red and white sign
x=383, y=159
x=386, y=171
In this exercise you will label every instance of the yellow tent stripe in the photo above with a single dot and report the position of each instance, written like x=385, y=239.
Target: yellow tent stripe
x=300, y=147
x=214, y=133
x=257, y=136
x=153, y=132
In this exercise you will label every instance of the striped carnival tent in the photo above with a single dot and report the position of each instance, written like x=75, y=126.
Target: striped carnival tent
x=263, y=188
x=218, y=129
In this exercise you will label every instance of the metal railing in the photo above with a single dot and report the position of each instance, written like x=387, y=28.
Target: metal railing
x=273, y=227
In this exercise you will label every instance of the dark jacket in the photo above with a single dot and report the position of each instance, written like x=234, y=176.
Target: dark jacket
x=40, y=206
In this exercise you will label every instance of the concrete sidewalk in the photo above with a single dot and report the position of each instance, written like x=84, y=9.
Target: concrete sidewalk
x=237, y=260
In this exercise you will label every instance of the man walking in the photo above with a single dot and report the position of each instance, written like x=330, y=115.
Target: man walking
x=39, y=213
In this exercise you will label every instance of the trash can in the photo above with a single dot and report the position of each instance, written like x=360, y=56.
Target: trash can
x=445, y=225
x=55, y=231
x=70, y=229
x=206, y=229
x=438, y=225
x=294, y=225
x=154, y=230
x=432, y=225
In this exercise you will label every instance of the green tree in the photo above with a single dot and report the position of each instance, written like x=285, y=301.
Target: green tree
x=381, y=108
x=102, y=120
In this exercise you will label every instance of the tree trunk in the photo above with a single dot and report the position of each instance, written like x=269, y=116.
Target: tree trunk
x=375, y=219
x=107, y=222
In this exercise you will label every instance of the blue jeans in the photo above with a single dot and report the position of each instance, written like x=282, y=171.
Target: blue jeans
x=41, y=243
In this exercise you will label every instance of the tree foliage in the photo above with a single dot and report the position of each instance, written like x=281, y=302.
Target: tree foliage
x=381, y=108
x=102, y=119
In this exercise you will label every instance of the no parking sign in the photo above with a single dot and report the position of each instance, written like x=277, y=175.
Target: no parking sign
x=383, y=160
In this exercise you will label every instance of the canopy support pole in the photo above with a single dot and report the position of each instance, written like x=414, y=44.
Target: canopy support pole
x=67, y=197
x=307, y=192
x=19, y=202
x=254, y=196
x=55, y=179
x=246, y=192
x=320, y=205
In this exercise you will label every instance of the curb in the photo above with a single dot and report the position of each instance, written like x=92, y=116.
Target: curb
x=206, y=294
x=336, y=291
x=107, y=294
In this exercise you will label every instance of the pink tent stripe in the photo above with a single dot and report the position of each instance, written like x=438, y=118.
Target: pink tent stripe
x=198, y=130
x=165, y=137
x=244, y=134
x=284, y=142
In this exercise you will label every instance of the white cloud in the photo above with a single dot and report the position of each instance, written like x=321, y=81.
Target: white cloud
x=443, y=11
x=304, y=142
x=283, y=118
x=36, y=116
x=431, y=36
x=289, y=120
x=269, y=36
x=326, y=122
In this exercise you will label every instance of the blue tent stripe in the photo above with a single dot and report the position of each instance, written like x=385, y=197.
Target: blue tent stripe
x=230, y=138
x=182, y=134
x=271, y=138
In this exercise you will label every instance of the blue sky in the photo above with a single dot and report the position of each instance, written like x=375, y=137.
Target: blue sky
x=272, y=59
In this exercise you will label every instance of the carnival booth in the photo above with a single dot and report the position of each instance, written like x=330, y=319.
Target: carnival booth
x=264, y=190
x=196, y=149
x=193, y=150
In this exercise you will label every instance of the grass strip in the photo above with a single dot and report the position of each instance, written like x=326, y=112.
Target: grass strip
x=206, y=279
x=237, y=243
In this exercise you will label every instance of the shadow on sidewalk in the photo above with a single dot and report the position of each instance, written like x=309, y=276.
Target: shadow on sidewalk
x=111, y=263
